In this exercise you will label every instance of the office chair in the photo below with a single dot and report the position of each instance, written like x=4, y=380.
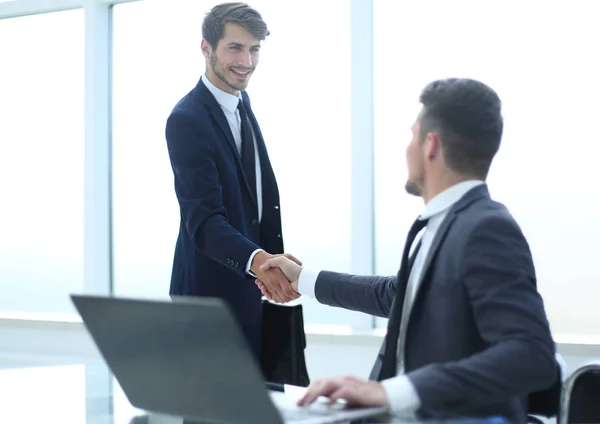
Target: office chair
x=580, y=398
x=546, y=403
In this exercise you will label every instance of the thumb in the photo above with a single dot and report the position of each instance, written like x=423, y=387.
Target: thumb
x=292, y=258
x=271, y=263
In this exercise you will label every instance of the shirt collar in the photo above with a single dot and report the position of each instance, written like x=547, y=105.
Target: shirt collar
x=447, y=198
x=227, y=101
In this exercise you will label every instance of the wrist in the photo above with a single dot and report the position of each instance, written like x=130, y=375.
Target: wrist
x=258, y=260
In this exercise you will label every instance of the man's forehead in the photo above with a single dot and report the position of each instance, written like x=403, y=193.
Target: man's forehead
x=235, y=34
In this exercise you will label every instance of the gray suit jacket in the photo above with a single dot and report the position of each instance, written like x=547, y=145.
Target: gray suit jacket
x=477, y=340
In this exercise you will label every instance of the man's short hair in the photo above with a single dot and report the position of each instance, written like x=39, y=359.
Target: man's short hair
x=467, y=116
x=213, y=27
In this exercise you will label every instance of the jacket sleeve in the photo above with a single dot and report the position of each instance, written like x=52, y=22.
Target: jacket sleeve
x=372, y=295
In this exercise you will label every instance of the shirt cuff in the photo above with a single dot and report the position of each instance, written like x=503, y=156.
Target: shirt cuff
x=307, y=281
x=249, y=264
x=402, y=396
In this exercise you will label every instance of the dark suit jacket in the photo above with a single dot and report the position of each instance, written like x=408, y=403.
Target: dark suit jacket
x=219, y=217
x=478, y=340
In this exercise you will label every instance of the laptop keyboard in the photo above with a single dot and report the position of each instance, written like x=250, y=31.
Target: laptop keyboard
x=313, y=411
x=292, y=412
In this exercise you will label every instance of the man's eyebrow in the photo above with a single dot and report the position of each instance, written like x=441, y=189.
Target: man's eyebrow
x=236, y=44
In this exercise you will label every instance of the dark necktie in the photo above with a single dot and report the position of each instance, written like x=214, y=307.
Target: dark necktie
x=389, y=362
x=247, y=150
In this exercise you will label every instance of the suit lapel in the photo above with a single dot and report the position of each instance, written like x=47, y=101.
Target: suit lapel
x=260, y=142
x=219, y=118
x=267, y=173
x=440, y=235
x=436, y=243
x=471, y=196
x=435, y=246
x=217, y=114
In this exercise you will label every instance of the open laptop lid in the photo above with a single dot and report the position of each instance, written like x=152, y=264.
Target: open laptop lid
x=158, y=353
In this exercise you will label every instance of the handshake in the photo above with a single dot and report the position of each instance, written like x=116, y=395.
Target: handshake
x=277, y=276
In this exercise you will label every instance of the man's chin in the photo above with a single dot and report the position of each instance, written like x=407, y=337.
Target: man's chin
x=239, y=83
x=236, y=85
x=412, y=188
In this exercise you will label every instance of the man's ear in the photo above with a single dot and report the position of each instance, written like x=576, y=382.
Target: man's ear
x=206, y=48
x=433, y=146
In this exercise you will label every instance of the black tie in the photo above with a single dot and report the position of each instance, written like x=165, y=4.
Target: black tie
x=247, y=153
x=389, y=362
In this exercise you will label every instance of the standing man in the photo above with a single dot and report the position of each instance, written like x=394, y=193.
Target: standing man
x=224, y=182
x=467, y=332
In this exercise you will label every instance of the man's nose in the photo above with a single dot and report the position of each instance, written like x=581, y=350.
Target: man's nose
x=245, y=59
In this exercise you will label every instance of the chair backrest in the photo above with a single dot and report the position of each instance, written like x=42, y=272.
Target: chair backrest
x=580, y=398
x=546, y=402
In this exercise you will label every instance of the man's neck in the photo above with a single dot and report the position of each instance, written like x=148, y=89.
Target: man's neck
x=219, y=83
x=437, y=186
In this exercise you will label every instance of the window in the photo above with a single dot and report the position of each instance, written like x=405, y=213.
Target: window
x=41, y=161
x=301, y=97
x=545, y=171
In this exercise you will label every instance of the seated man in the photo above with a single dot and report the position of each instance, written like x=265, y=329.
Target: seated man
x=467, y=331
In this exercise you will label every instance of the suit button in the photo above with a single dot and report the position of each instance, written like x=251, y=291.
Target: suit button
x=237, y=264
x=276, y=207
x=254, y=221
x=278, y=235
x=228, y=261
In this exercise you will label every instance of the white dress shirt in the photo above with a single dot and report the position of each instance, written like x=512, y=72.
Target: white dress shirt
x=229, y=105
x=402, y=395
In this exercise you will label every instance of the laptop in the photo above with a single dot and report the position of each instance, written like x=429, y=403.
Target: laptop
x=187, y=357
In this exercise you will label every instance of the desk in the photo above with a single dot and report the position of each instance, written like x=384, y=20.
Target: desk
x=71, y=394
x=81, y=394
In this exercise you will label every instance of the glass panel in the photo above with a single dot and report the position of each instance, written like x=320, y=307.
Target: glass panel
x=546, y=75
x=305, y=123
x=41, y=161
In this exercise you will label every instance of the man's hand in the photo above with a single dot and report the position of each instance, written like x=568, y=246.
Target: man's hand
x=265, y=291
x=354, y=391
x=273, y=279
x=289, y=265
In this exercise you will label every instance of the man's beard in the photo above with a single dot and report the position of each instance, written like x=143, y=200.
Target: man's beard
x=412, y=188
x=214, y=62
